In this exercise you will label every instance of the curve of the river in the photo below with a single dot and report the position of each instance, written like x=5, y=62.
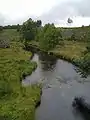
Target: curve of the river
x=61, y=83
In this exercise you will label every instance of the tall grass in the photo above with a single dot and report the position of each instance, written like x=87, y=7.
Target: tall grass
x=16, y=102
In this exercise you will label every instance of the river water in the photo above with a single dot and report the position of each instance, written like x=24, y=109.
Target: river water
x=61, y=83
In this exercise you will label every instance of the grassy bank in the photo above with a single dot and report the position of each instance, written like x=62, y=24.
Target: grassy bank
x=16, y=102
x=71, y=51
x=67, y=49
x=10, y=34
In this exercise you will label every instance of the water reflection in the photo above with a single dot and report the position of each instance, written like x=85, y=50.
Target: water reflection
x=62, y=82
x=47, y=62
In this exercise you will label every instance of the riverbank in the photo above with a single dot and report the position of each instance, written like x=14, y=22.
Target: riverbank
x=70, y=50
x=17, y=102
x=61, y=83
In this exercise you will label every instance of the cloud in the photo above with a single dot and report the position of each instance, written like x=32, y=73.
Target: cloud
x=2, y=19
x=49, y=11
x=83, y=8
x=74, y=9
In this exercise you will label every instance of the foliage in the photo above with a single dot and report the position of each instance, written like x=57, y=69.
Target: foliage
x=70, y=50
x=10, y=34
x=18, y=28
x=4, y=42
x=11, y=26
x=84, y=64
x=38, y=23
x=16, y=102
x=49, y=37
x=29, y=29
x=1, y=28
x=81, y=33
x=20, y=106
x=5, y=87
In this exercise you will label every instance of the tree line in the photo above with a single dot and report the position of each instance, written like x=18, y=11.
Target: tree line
x=48, y=36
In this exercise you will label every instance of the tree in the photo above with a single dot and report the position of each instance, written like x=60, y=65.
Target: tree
x=39, y=23
x=29, y=29
x=18, y=28
x=49, y=37
x=1, y=28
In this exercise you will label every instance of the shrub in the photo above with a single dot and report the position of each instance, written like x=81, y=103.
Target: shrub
x=1, y=28
x=29, y=29
x=84, y=64
x=49, y=37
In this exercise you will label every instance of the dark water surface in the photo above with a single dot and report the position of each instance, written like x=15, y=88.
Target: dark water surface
x=61, y=83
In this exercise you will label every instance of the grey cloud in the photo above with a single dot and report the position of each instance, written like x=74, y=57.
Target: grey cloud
x=58, y=14
x=18, y=21
x=67, y=9
x=83, y=8
x=2, y=19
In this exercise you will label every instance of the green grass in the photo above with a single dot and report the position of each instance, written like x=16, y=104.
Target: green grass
x=10, y=34
x=36, y=43
x=16, y=102
x=20, y=107
x=80, y=33
x=71, y=49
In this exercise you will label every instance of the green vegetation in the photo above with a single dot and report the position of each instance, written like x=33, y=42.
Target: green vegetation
x=29, y=29
x=71, y=44
x=1, y=28
x=10, y=34
x=70, y=50
x=80, y=33
x=85, y=63
x=16, y=102
x=49, y=37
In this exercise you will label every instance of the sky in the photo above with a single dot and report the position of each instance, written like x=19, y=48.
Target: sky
x=49, y=11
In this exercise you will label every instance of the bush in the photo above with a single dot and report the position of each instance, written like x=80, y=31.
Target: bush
x=84, y=64
x=1, y=28
x=29, y=29
x=49, y=37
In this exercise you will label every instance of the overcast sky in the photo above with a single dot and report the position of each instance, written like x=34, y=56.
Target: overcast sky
x=53, y=11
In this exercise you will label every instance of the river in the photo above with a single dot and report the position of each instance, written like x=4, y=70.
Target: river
x=61, y=83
